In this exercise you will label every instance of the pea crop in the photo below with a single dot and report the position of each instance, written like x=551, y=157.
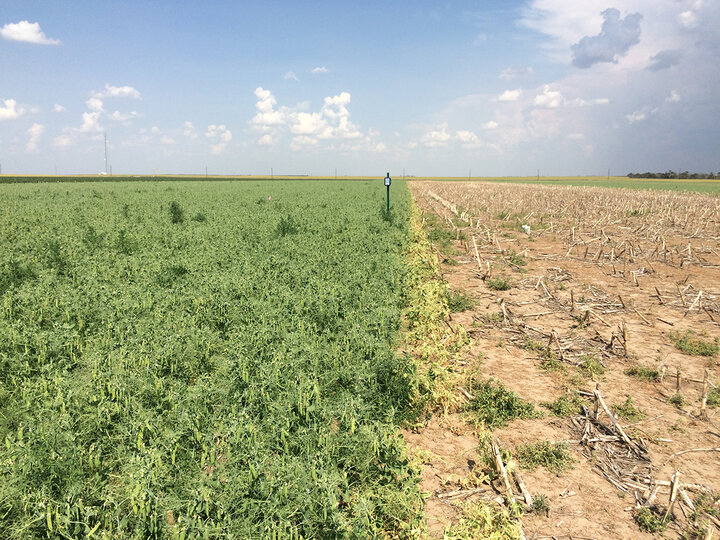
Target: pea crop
x=203, y=360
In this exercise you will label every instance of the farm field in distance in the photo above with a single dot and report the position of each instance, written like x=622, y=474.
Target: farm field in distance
x=693, y=185
x=612, y=301
x=203, y=360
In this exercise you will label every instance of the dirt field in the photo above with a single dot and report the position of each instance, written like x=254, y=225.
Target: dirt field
x=601, y=293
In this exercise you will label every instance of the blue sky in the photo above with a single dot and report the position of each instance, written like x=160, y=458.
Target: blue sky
x=434, y=88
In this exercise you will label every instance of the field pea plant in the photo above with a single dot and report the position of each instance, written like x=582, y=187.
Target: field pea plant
x=203, y=360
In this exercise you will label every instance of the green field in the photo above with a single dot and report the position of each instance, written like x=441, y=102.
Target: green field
x=195, y=360
x=696, y=185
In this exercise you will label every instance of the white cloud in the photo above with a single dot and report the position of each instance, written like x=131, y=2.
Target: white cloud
x=123, y=117
x=551, y=99
x=688, y=19
x=91, y=122
x=674, y=97
x=35, y=131
x=510, y=95
x=492, y=124
x=509, y=74
x=10, y=111
x=59, y=108
x=167, y=140
x=576, y=136
x=116, y=91
x=267, y=116
x=189, y=130
x=221, y=134
x=27, y=32
x=331, y=125
x=319, y=69
x=94, y=104
x=637, y=116
x=437, y=138
x=290, y=75
x=466, y=136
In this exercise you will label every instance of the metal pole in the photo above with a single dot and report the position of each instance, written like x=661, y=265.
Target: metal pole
x=387, y=208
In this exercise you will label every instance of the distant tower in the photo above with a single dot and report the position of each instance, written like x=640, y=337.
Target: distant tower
x=106, y=154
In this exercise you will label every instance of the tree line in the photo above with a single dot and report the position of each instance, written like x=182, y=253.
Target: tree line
x=673, y=174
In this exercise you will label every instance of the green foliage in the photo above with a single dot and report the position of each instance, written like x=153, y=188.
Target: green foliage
x=643, y=373
x=460, y=301
x=713, y=397
x=13, y=273
x=286, y=226
x=690, y=343
x=591, y=367
x=540, y=505
x=199, y=217
x=214, y=381
x=677, y=399
x=485, y=520
x=498, y=284
x=516, y=259
x=564, y=406
x=438, y=234
x=629, y=411
x=649, y=521
x=555, y=458
x=177, y=215
x=494, y=405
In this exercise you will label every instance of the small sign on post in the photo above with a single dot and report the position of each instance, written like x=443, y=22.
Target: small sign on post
x=387, y=186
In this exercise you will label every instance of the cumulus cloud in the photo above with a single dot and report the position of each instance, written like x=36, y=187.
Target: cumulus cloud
x=290, y=75
x=492, y=124
x=509, y=74
x=116, y=91
x=35, y=131
x=330, y=124
x=510, y=95
x=615, y=39
x=59, y=108
x=466, y=136
x=319, y=69
x=267, y=116
x=220, y=135
x=189, y=130
x=10, y=110
x=96, y=107
x=123, y=117
x=552, y=99
x=636, y=116
x=437, y=138
x=27, y=32
x=664, y=60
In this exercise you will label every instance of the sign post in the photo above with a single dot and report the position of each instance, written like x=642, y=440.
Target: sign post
x=387, y=186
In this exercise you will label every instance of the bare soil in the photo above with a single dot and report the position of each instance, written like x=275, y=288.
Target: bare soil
x=589, y=289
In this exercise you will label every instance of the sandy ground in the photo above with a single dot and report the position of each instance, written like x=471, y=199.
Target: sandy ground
x=582, y=502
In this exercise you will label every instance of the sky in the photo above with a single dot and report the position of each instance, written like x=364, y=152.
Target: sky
x=436, y=88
